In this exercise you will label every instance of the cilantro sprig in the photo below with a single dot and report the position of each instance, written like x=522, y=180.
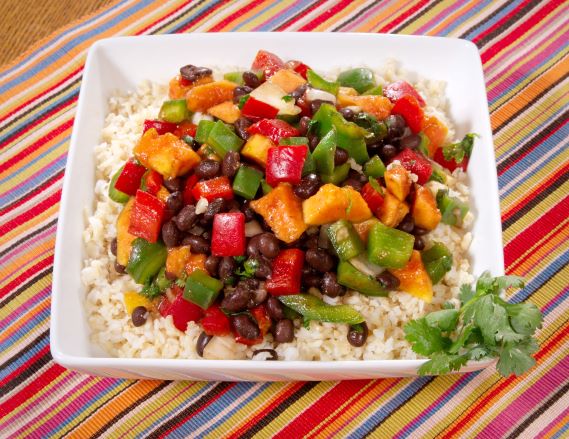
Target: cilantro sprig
x=460, y=150
x=485, y=326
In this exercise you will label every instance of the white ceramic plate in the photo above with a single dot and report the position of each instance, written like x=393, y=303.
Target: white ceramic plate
x=122, y=63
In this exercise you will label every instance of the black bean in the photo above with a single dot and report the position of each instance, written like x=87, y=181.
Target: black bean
x=395, y=126
x=348, y=113
x=313, y=141
x=207, y=169
x=388, y=151
x=357, y=336
x=298, y=92
x=236, y=300
x=240, y=91
x=247, y=211
x=407, y=224
x=139, y=316
x=197, y=244
x=353, y=182
x=308, y=186
x=170, y=234
x=374, y=148
x=202, y=342
x=264, y=269
x=226, y=268
x=245, y=327
x=211, y=264
x=175, y=202
x=241, y=126
x=311, y=242
x=330, y=285
x=340, y=157
x=269, y=245
x=316, y=103
x=232, y=206
x=358, y=176
x=275, y=308
x=120, y=269
x=418, y=231
x=320, y=260
x=173, y=184
x=193, y=73
x=217, y=205
x=274, y=356
x=412, y=141
x=230, y=164
x=303, y=125
x=419, y=244
x=114, y=246
x=312, y=279
x=186, y=218
x=259, y=296
x=283, y=331
x=387, y=280
x=251, y=79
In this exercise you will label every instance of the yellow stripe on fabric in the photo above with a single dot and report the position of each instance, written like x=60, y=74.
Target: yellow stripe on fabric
x=189, y=9
x=556, y=429
x=21, y=229
x=240, y=16
x=338, y=17
x=18, y=266
x=448, y=18
x=385, y=15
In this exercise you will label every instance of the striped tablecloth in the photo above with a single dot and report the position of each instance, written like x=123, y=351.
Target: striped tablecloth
x=523, y=45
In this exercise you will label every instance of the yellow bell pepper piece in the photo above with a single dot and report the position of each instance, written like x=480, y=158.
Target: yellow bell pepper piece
x=257, y=148
x=414, y=279
x=132, y=299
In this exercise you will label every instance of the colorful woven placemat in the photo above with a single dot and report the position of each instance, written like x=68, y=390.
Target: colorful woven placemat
x=523, y=45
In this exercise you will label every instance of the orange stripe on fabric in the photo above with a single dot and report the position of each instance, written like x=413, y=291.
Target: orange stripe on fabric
x=339, y=16
x=553, y=430
x=386, y=15
x=445, y=22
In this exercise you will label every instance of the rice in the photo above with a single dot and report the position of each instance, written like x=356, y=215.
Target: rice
x=112, y=328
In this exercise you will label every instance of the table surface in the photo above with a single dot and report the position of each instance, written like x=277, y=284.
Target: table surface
x=523, y=45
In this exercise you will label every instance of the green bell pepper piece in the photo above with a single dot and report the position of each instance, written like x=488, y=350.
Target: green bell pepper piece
x=174, y=111
x=375, y=91
x=438, y=174
x=374, y=167
x=313, y=308
x=236, y=77
x=309, y=165
x=424, y=145
x=376, y=129
x=289, y=118
x=114, y=193
x=202, y=289
x=452, y=209
x=265, y=187
x=146, y=259
x=350, y=277
x=317, y=81
x=437, y=261
x=349, y=136
x=222, y=139
x=203, y=130
x=246, y=182
x=390, y=248
x=324, y=153
x=157, y=286
x=293, y=141
x=361, y=79
x=345, y=240
x=337, y=176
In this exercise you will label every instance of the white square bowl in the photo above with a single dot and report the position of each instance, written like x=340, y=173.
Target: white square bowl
x=122, y=63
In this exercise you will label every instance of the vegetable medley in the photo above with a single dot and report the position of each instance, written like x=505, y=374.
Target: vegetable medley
x=251, y=197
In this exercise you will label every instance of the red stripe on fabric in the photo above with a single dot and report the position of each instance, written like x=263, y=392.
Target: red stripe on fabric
x=324, y=16
x=37, y=384
x=504, y=382
x=163, y=18
x=321, y=409
x=232, y=17
x=38, y=143
x=303, y=14
x=33, y=212
x=43, y=93
x=25, y=275
x=25, y=365
x=500, y=22
x=44, y=185
x=519, y=31
x=535, y=192
x=69, y=103
x=401, y=18
x=203, y=16
x=521, y=243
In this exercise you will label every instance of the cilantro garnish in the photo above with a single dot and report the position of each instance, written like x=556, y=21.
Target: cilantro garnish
x=287, y=98
x=460, y=150
x=485, y=326
x=249, y=268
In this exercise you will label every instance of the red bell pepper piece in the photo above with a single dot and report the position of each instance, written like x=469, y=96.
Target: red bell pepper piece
x=267, y=62
x=219, y=187
x=256, y=109
x=373, y=198
x=408, y=107
x=298, y=66
x=161, y=126
x=274, y=129
x=416, y=163
x=180, y=309
x=287, y=272
x=263, y=321
x=130, y=177
x=215, y=322
x=398, y=89
x=285, y=163
x=152, y=182
x=188, y=187
x=185, y=128
x=451, y=164
x=228, y=234
x=457, y=154
x=146, y=217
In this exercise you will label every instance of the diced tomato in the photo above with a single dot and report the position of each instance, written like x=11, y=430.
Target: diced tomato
x=161, y=126
x=274, y=129
x=219, y=187
x=373, y=198
x=255, y=109
x=285, y=163
x=416, y=163
x=396, y=90
x=146, y=216
x=299, y=67
x=215, y=322
x=228, y=234
x=451, y=164
x=267, y=62
x=152, y=182
x=185, y=128
x=408, y=107
x=188, y=188
x=287, y=272
x=129, y=179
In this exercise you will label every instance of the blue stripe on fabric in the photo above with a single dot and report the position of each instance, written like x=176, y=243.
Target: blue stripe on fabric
x=35, y=299
x=470, y=35
x=41, y=344
x=64, y=50
x=463, y=17
x=25, y=330
x=561, y=432
x=281, y=18
x=212, y=410
x=205, y=7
